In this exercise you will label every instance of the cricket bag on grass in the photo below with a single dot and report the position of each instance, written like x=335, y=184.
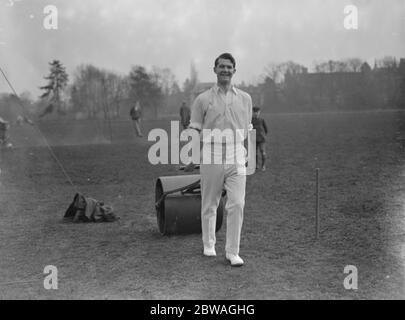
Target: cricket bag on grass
x=85, y=209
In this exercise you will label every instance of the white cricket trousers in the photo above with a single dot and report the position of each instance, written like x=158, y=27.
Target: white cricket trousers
x=215, y=178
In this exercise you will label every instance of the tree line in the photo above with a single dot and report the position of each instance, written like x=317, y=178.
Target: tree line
x=349, y=84
x=94, y=92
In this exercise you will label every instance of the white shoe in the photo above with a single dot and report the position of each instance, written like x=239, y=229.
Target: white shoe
x=235, y=260
x=209, y=252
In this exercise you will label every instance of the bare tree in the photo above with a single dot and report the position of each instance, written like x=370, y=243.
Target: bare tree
x=115, y=90
x=175, y=88
x=190, y=83
x=354, y=64
x=271, y=71
x=87, y=90
x=165, y=78
x=387, y=62
x=277, y=71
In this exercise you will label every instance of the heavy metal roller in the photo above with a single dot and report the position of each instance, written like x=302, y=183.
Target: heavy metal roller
x=178, y=205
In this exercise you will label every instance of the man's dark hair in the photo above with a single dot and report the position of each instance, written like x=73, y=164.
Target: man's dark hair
x=255, y=109
x=226, y=56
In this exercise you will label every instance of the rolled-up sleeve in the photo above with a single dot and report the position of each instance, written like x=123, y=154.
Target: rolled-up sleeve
x=197, y=114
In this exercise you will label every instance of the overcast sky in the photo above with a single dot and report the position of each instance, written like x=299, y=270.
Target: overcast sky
x=117, y=34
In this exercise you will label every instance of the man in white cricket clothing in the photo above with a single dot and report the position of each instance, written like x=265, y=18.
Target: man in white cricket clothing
x=223, y=111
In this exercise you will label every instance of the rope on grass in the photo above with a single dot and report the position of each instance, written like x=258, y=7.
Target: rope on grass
x=42, y=135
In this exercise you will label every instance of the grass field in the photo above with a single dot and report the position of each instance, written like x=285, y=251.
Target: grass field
x=361, y=157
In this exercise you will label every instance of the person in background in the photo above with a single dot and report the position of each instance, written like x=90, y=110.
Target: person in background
x=4, y=137
x=136, y=116
x=185, y=115
x=261, y=131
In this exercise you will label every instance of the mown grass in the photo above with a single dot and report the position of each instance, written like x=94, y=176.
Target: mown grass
x=361, y=161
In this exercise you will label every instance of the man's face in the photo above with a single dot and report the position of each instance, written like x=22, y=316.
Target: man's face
x=224, y=71
x=256, y=114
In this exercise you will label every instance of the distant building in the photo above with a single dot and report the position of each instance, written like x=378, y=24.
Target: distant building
x=367, y=89
x=401, y=66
